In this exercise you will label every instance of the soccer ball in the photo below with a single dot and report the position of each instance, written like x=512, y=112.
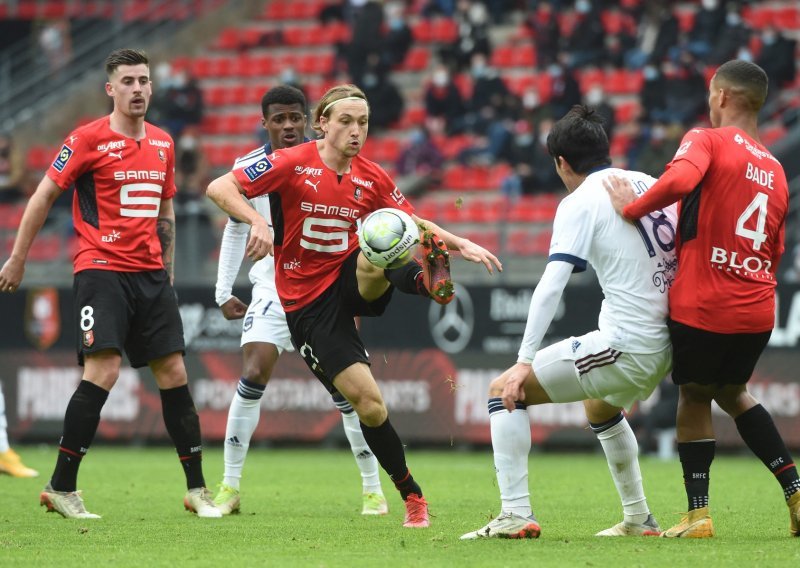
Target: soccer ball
x=388, y=237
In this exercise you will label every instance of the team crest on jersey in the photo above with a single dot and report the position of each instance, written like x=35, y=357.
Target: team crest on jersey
x=162, y=156
x=63, y=157
x=358, y=193
x=88, y=338
x=256, y=170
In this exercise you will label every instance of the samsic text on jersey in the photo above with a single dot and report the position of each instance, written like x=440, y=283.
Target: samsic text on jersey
x=119, y=184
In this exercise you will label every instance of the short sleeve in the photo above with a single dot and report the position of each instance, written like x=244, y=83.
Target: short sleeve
x=71, y=161
x=697, y=147
x=389, y=195
x=263, y=175
x=169, y=181
x=572, y=233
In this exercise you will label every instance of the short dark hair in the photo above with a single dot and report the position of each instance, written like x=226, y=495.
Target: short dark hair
x=282, y=95
x=746, y=81
x=579, y=138
x=125, y=57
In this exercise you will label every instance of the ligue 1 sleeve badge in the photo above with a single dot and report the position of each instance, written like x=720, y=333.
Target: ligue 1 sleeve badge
x=42, y=317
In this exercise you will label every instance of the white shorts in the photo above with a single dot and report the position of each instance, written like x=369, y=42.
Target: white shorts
x=265, y=322
x=581, y=368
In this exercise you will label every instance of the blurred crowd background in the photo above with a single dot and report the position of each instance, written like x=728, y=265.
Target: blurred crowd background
x=462, y=93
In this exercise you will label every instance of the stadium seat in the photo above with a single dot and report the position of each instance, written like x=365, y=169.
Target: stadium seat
x=416, y=59
x=621, y=81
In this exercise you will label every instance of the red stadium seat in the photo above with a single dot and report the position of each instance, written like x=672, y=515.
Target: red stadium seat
x=416, y=59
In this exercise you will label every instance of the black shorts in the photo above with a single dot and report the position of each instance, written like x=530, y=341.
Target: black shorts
x=324, y=332
x=134, y=312
x=709, y=358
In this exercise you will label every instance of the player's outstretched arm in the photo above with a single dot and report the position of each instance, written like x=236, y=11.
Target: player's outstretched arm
x=469, y=250
x=225, y=192
x=32, y=220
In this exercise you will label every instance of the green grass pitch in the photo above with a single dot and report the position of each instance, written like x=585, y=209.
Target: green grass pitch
x=301, y=508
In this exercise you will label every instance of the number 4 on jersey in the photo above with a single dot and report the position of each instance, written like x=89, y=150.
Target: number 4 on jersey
x=758, y=236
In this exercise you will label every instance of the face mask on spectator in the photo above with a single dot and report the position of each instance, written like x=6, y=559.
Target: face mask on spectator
x=769, y=37
x=583, y=6
x=440, y=78
x=710, y=4
x=369, y=80
x=555, y=70
x=530, y=100
x=733, y=19
x=650, y=73
x=594, y=97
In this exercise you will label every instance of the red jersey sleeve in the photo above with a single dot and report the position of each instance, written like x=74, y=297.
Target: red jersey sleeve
x=71, y=161
x=390, y=195
x=682, y=174
x=264, y=175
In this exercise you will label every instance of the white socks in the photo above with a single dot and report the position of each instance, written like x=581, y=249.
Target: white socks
x=511, y=442
x=621, y=449
x=242, y=421
x=365, y=459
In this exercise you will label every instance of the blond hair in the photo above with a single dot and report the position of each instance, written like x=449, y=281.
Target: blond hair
x=332, y=96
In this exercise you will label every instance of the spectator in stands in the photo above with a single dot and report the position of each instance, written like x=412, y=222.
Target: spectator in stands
x=398, y=38
x=545, y=176
x=565, y=91
x=444, y=8
x=596, y=98
x=658, y=33
x=543, y=25
x=472, y=21
x=586, y=43
x=686, y=97
x=708, y=22
x=491, y=98
x=420, y=163
x=444, y=105
x=522, y=155
x=191, y=167
x=385, y=101
x=181, y=104
x=660, y=148
x=12, y=171
x=733, y=36
x=777, y=58
x=653, y=93
x=56, y=44
x=366, y=38
x=532, y=109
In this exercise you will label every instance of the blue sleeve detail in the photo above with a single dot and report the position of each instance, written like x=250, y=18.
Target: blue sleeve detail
x=578, y=263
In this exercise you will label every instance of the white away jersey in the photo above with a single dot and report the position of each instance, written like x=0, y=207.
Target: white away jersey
x=635, y=262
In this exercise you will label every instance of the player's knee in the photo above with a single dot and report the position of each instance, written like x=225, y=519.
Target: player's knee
x=496, y=386
x=256, y=373
x=170, y=372
x=371, y=410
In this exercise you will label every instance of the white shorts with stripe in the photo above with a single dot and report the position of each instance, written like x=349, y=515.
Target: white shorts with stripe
x=265, y=322
x=585, y=367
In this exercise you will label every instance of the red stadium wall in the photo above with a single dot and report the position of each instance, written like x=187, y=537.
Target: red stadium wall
x=433, y=367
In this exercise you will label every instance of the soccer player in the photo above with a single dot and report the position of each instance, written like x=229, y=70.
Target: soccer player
x=122, y=169
x=320, y=190
x=610, y=368
x=10, y=462
x=734, y=199
x=264, y=331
